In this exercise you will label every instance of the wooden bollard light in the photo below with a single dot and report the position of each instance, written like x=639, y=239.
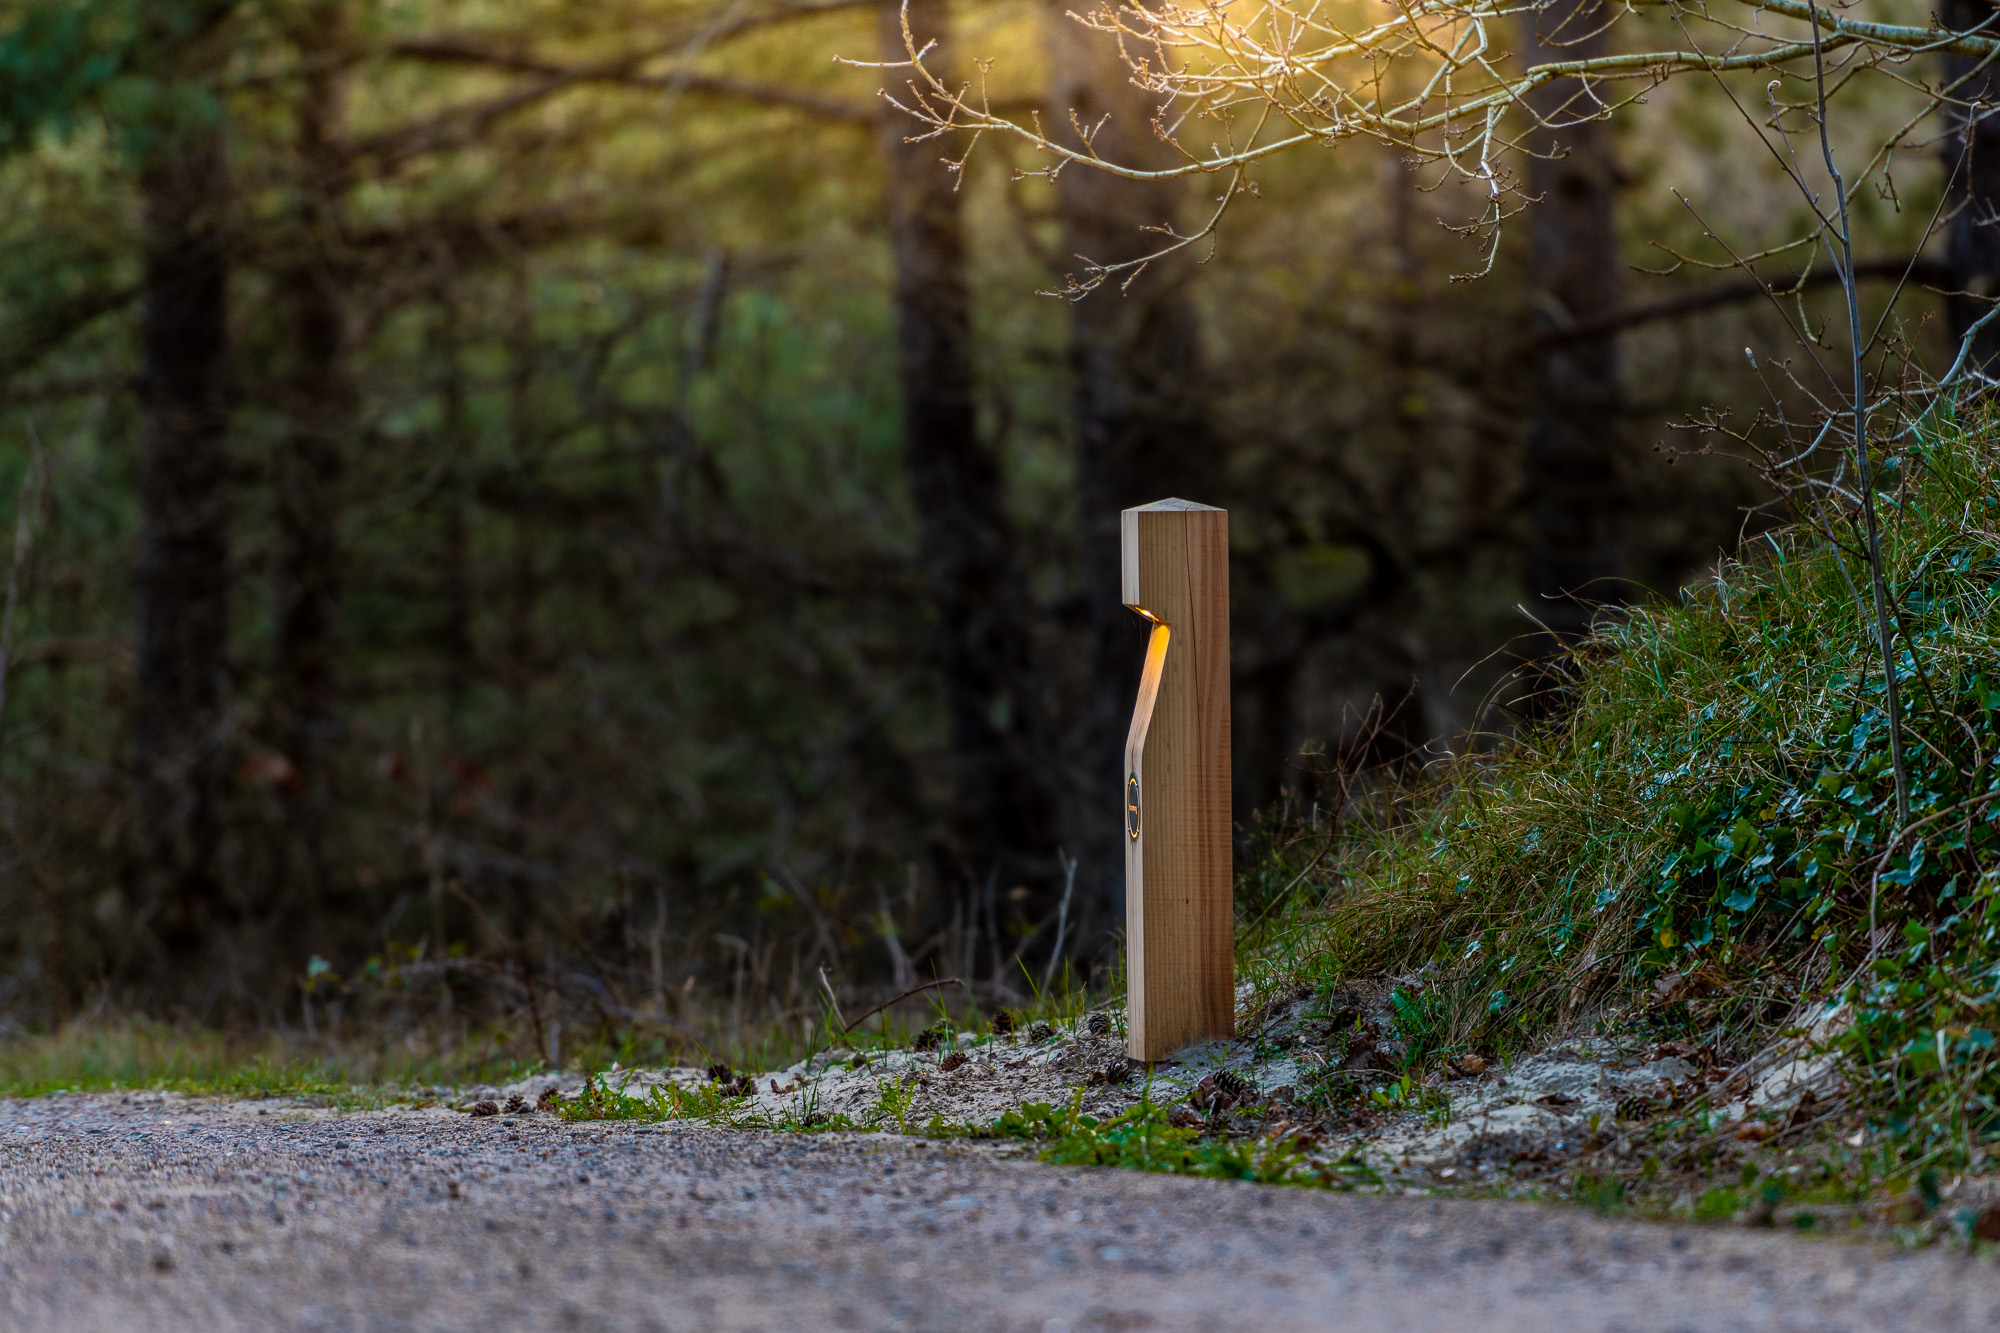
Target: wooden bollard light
x=1180, y=924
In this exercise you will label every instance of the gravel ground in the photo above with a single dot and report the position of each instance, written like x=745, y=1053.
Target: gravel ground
x=149, y=1212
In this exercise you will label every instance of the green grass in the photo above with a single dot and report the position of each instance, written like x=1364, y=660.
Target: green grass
x=1144, y=1138
x=372, y=1068
x=1716, y=805
x=132, y=1055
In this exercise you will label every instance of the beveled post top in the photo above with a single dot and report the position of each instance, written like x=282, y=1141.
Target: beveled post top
x=1158, y=584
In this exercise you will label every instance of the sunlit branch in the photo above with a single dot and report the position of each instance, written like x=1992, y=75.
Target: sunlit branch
x=1469, y=108
x=1221, y=61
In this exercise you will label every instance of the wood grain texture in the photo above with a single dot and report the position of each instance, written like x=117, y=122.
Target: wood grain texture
x=1179, y=917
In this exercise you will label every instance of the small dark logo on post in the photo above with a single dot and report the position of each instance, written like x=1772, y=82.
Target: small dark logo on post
x=1132, y=805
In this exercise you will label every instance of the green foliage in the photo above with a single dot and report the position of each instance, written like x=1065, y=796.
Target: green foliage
x=53, y=60
x=892, y=1103
x=1142, y=1138
x=1602, y=1193
x=1422, y=1020
x=141, y=65
x=1040, y=1121
x=1406, y=1094
x=1718, y=1204
x=661, y=1101
x=1717, y=805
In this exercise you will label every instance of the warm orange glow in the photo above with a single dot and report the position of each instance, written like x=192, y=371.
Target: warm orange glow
x=1149, y=690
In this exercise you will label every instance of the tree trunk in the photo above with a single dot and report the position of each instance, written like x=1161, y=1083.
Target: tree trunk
x=1137, y=369
x=1002, y=814
x=454, y=633
x=523, y=582
x=183, y=576
x=1972, y=166
x=1575, y=496
x=309, y=465
x=523, y=903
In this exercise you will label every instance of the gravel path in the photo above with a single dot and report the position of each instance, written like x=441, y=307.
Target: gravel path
x=156, y=1213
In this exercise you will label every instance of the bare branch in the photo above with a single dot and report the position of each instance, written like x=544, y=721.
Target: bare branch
x=1923, y=271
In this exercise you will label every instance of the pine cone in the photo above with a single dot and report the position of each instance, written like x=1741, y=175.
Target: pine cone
x=933, y=1037
x=1637, y=1109
x=1232, y=1084
x=954, y=1060
x=516, y=1104
x=721, y=1074
x=551, y=1099
x=1040, y=1032
x=1100, y=1025
x=1003, y=1023
x=485, y=1108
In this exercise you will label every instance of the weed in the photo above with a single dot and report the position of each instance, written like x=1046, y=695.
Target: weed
x=803, y=1115
x=662, y=1101
x=1143, y=1138
x=1405, y=1094
x=1605, y=1193
x=892, y=1102
x=1718, y=1204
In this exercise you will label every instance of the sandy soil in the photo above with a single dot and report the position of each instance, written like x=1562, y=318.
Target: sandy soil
x=1528, y=1119
x=154, y=1213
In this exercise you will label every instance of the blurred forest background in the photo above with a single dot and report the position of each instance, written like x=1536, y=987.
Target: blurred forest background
x=559, y=515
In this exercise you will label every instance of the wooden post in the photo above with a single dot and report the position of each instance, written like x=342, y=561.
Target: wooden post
x=1180, y=925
